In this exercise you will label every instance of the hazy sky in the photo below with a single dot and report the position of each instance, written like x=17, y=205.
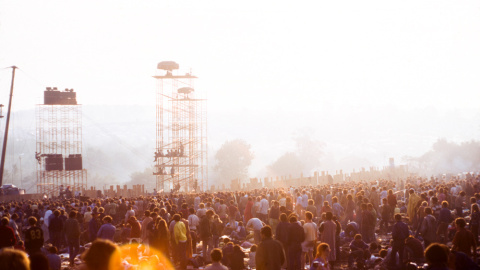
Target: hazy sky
x=341, y=63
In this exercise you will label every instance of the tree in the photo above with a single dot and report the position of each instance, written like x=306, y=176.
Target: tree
x=309, y=150
x=450, y=157
x=288, y=164
x=233, y=159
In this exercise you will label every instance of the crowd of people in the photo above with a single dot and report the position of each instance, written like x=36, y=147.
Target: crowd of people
x=407, y=224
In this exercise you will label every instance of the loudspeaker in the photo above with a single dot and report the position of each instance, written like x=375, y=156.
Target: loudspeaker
x=54, y=162
x=73, y=162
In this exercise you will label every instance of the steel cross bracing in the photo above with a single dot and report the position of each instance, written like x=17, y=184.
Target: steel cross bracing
x=181, y=129
x=58, y=131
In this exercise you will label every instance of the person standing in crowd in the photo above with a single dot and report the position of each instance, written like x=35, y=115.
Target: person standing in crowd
x=413, y=200
x=274, y=215
x=93, y=227
x=367, y=222
x=270, y=254
x=136, y=231
x=392, y=201
x=162, y=237
x=337, y=208
x=400, y=233
x=248, y=209
x=130, y=213
x=107, y=230
x=33, y=237
x=350, y=208
x=201, y=211
x=327, y=230
x=444, y=220
x=463, y=240
x=72, y=233
x=281, y=234
x=180, y=234
x=55, y=229
x=263, y=209
x=296, y=235
x=232, y=212
x=205, y=232
x=428, y=228
x=460, y=202
x=311, y=236
x=145, y=222
x=7, y=236
x=193, y=222
x=386, y=210
x=374, y=198
x=474, y=221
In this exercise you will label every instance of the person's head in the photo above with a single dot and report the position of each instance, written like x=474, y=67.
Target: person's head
x=266, y=232
x=72, y=214
x=210, y=213
x=398, y=217
x=32, y=221
x=329, y=215
x=176, y=217
x=358, y=237
x=107, y=219
x=323, y=250
x=445, y=204
x=103, y=254
x=283, y=217
x=460, y=222
x=53, y=250
x=216, y=255
x=4, y=221
x=428, y=211
x=38, y=261
x=56, y=213
x=236, y=248
x=308, y=216
x=14, y=260
x=436, y=254
x=253, y=248
x=293, y=219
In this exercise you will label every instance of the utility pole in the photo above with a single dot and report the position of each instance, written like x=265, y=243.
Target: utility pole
x=5, y=137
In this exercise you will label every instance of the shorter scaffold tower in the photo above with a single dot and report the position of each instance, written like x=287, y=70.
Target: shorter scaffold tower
x=181, y=134
x=59, y=144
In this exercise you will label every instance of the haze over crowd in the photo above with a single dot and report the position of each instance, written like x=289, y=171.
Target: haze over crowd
x=364, y=81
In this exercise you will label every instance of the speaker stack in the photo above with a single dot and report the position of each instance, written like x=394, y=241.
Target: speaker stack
x=54, y=162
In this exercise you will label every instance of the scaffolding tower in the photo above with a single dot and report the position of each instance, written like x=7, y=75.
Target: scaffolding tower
x=59, y=143
x=181, y=132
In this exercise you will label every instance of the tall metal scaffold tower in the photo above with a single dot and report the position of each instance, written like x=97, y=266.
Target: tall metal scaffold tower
x=181, y=132
x=59, y=143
